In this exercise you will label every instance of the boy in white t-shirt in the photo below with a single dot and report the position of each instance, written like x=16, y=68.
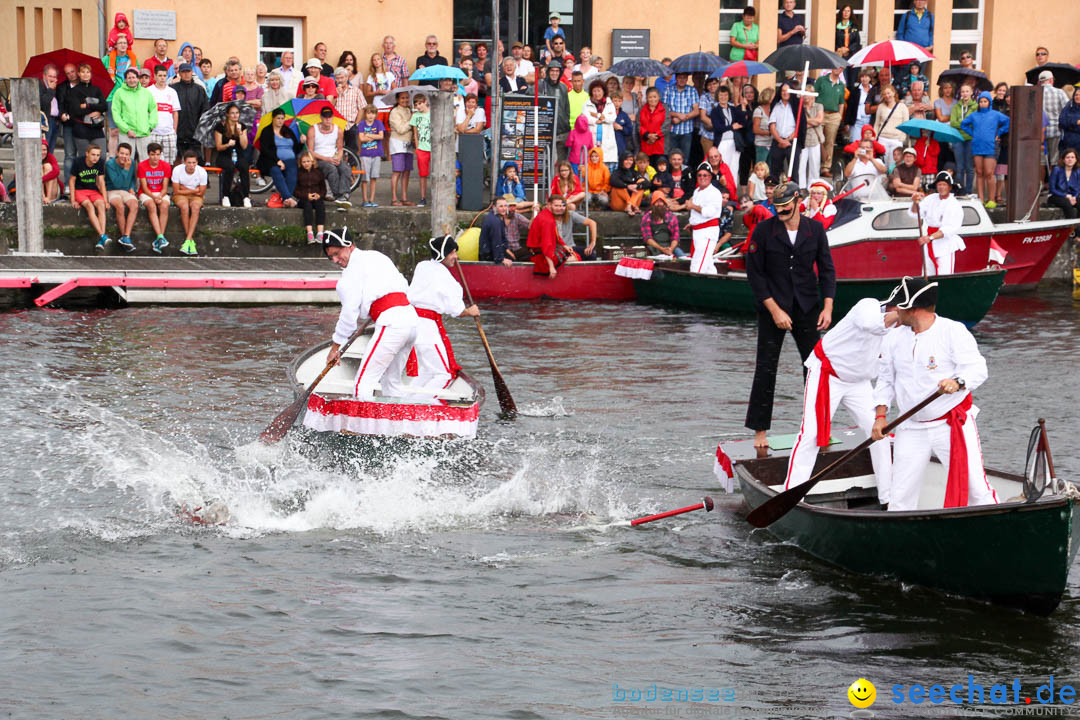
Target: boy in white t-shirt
x=168, y=107
x=189, y=186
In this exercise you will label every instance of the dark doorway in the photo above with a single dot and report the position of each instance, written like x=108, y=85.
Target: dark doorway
x=472, y=22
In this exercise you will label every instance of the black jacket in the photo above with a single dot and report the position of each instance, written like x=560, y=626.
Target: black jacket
x=425, y=61
x=91, y=96
x=46, y=95
x=493, y=243
x=268, y=148
x=784, y=272
x=720, y=125
x=193, y=103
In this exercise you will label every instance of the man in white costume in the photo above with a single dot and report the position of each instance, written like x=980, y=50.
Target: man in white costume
x=942, y=217
x=705, y=206
x=434, y=292
x=839, y=372
x=371, y=286
x=927, y=353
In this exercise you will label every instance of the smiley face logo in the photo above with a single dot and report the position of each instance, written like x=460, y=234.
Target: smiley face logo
x=862, y=693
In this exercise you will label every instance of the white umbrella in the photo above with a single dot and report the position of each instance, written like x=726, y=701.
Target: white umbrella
x=390, y=98
x=890, y=52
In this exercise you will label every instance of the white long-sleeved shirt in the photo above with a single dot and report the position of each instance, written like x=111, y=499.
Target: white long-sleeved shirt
x=368, y=276
x=854, y=344
x=711, y=201
x=433, y=287
x=912, y=364
x=947, y=216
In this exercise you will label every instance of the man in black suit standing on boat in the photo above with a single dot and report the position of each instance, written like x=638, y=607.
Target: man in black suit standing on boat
x=780, y=259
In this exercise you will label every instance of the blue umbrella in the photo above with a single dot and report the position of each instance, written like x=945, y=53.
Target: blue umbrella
x=437, y=72
x=640, y=67
x=696, y=62
x=941, y=131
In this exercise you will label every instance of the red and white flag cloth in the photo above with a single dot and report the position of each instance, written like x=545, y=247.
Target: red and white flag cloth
x=722, y=469
x=634, y=268
x=997, y=253
x=890, y=52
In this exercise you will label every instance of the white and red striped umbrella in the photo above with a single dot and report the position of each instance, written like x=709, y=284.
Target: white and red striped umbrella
x=890, y=52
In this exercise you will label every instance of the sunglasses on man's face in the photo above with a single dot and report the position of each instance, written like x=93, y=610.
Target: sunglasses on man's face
x=1040, y=53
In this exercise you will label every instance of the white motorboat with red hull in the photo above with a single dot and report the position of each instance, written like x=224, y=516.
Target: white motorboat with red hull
x=875, y=238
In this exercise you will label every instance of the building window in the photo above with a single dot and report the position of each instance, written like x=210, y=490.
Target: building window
x=967, y=27
x=276, y=35
x=730, y=13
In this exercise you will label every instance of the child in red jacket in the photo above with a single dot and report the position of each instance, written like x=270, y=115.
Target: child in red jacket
x=927, y=150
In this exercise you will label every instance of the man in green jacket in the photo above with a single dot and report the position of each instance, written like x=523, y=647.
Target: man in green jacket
x=134, y=112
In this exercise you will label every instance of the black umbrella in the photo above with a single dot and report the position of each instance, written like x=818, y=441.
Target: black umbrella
x=204, y=131
x=1064, y=74
x=696, y=62
x=640, y=67
x=795, y=58
x=959, y=75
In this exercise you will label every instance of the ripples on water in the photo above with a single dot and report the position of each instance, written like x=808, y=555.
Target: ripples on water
x=487, y=579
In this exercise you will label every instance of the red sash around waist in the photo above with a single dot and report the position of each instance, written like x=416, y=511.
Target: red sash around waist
x=956, y=488
x=715, y=222
x=930, y=230
x=387, y=301
x=437, y=319
x=822, y=404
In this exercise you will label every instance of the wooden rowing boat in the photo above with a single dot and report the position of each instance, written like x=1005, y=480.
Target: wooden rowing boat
x=965, y=297
x=1016, y=553
x=453, y=412
x=592, y=280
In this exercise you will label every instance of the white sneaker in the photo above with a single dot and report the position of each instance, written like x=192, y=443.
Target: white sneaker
x=225, y=202
x=247, y=202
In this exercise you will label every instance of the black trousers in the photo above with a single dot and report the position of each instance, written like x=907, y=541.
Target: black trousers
x=314, y=211
x=228, y=169
x=770, y=340
x=780, y=157
x=1067, y=207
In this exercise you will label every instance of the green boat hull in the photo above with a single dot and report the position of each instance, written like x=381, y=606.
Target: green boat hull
x=965, y=297
x=1013, y=554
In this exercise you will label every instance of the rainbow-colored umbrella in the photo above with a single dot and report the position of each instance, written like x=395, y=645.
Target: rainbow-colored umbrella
x=301, y=114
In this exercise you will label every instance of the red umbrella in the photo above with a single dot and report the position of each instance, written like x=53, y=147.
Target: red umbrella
x=99, y=76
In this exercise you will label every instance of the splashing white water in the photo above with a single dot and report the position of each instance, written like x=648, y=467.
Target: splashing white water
x=113, y=478
x=553, y=408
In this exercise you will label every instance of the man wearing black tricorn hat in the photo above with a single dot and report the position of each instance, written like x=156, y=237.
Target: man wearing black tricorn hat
x=781, y=257
x=927, y=353
x=371, y=286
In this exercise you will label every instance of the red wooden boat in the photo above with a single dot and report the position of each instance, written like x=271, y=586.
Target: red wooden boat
x=875, y=238
x=593, y=280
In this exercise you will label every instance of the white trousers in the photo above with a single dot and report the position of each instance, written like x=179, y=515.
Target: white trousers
x=890, y=145
x=946, y=263
x=433, y=362
x=913, y=447
x=384, y=360
x=858, y=398
x=731, y=157
x=704, y=247
x=809, y=165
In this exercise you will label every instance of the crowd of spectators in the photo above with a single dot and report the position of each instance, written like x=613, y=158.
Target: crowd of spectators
x=622, y=144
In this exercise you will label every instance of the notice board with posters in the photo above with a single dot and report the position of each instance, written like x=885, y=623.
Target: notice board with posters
x=516, y=134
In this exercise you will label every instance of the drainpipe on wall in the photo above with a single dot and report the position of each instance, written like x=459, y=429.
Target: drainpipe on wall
x=102, y=28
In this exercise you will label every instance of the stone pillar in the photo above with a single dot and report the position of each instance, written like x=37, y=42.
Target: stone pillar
x=879, y=21
x=942, y=10
x=443, y=193
x=27, y=139
x=823, y=24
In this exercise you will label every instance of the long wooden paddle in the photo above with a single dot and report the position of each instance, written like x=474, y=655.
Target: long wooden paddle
x=506, y=400
x=281, y=424
x=779, y=505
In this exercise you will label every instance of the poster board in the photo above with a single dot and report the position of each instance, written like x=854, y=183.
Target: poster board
x=516, y=134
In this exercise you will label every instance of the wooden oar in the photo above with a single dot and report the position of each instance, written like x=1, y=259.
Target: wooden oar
x=506, y=401
x=779, y=505
x=281, y=424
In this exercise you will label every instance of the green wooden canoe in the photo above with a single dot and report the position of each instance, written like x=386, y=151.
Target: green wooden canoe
x=1016, y=553
x=965, y=297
